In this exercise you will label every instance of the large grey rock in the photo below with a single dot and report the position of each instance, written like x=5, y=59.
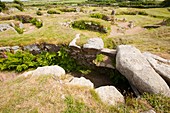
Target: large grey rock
x=94, y=43
x=160, y=67
x=110, y=95
x=133, y=65
x=46, y=70
x=81, y=82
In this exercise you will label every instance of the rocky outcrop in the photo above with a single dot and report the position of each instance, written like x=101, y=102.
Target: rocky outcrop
x=87, y=54
x=81, y=82
x=46, y=70
x=133, y=65
x=110, y=95
x=161, y=68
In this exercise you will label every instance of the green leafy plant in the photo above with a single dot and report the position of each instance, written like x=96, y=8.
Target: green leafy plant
x=99, y=58
x=21, y=61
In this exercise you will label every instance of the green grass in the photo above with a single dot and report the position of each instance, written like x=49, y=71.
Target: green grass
x=155, y=40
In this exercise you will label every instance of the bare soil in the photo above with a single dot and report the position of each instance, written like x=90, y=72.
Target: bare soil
x=122, y=28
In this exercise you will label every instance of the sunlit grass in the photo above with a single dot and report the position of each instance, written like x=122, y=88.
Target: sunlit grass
x=44, y=93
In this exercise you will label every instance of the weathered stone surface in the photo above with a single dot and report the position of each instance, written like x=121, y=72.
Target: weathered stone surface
x=110, y=95
x=4, y=27
x=32, y=48
x=46, y=70
x=108, y=52
x=73, y=42
x=161, y=68
x=149, y=111
x=15, y=47
x=7, y=48
x=51, y=47
x=158, y=58
x=94, y=43
x=81, y=82
x=133, y=65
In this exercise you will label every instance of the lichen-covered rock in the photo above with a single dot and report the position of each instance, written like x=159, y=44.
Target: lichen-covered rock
x=94, y=43
x=81, y=82
x=110, y=95
x=134, y=66
x=32, y=48
x=46, y=70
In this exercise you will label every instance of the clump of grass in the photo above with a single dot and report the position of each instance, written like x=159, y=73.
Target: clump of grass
x=75, y=106
x=39, y=13
x=19, y=30
x=52, y=12
x=159, y=102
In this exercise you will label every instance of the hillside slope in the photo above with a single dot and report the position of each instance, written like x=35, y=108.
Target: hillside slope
x=49, y=94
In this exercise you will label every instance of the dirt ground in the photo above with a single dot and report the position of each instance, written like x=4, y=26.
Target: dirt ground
x=122, y=28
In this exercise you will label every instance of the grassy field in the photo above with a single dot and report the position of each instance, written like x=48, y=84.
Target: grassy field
x=46, y=93
x=154, y=40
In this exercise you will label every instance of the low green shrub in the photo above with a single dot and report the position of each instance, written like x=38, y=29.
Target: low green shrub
x=67, y=9
x=37, y=23
x=52, y=12
x=2, y=6
x=21, y=61
x=99, y=16
x=89, y=25
x=39, y=13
